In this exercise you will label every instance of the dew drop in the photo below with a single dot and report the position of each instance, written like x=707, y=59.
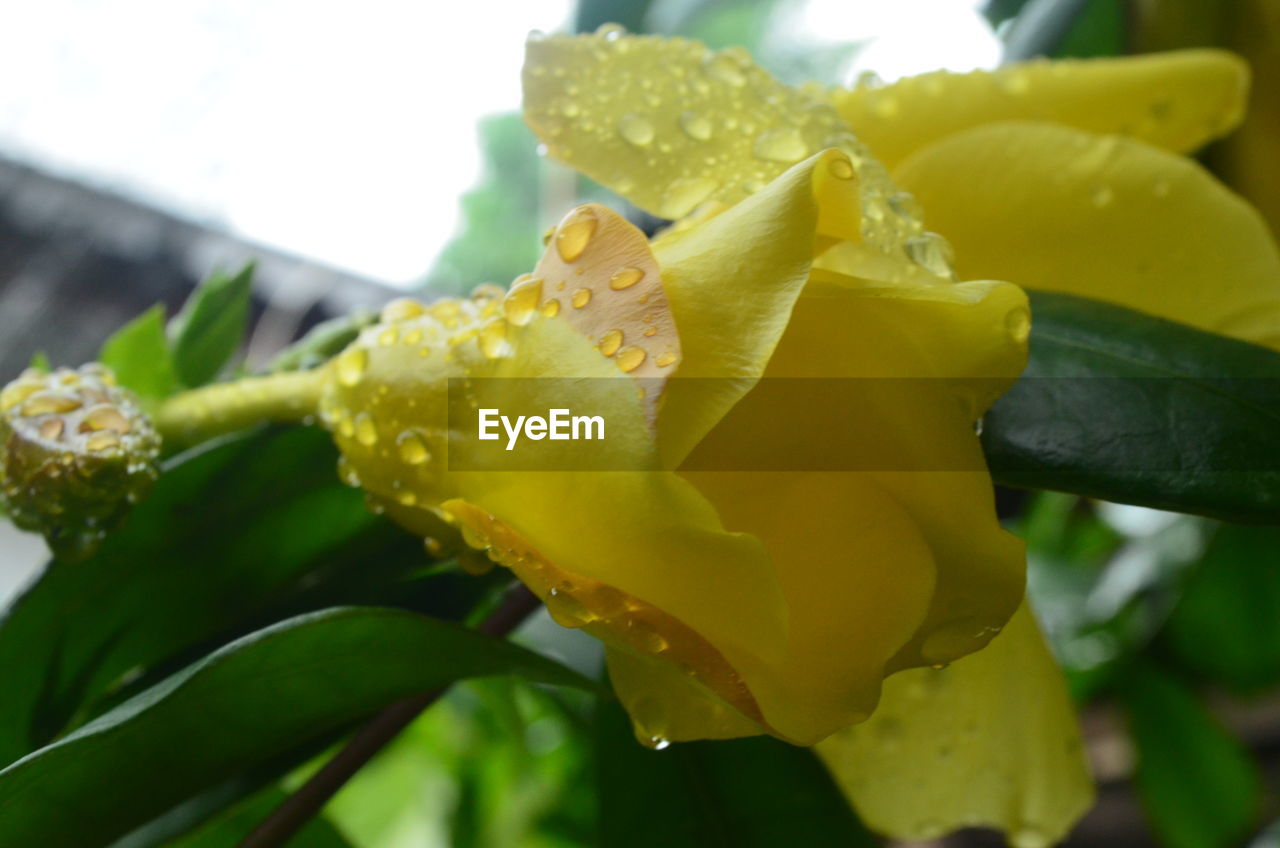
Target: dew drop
x=488, y=291
x=401, y=309
x=575, y=234
x=840, y=168
x=610, y=342
x=412, y=448
x=351, y=365
x=581, y=298
x=635, y=129
x=51, y=428
x=696, y=126
x=521, y=301
x=1018, y=323
x=388, y=337
x=493, y=340
x=783, y=144
x=366, y=432
x=931, y=252
x=567, y=610
x=726, y=68
x=645, y=637
x=631, y=358
x=551, y=308
x=665, y=359
x=105, y=418
x=48, y=404
x=625, y=278
x=433, y=547
x=102, y=441
x=650, y=332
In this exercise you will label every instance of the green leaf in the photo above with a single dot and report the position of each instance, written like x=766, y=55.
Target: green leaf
x=237, y=708
x=230, y=828
x=1127, y=407
x=741, y=793
x=211, y=326
x=1226, y=627
x=1197, y=784
x=139, y=355
x=234, y=536
x=40, y=361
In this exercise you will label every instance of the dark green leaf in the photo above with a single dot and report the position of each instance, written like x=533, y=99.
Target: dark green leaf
x=1227, y=625
x=139, y=355
x=237, y=708
x=211, y=325
x=230, y=828
x=1127, y=407
x=1197, y=784
x=233, y=536
x=741, y=793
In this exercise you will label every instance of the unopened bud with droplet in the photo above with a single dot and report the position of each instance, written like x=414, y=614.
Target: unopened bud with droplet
x=76, y=452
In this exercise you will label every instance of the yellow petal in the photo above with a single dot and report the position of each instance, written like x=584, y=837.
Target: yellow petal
x=857, y=577
x=1177, y=100
x=668, y=705
x=668, y=123
x=1101, y=216
x=897, y=376
x=990, y=741
x=732, y=279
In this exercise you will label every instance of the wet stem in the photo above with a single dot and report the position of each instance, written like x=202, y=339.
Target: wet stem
x=294, y=812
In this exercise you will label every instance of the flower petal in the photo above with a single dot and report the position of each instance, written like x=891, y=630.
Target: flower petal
x=991, y=741
x=893, y=403
x=1177, y=100
x=1105, y=217
x=857, y=576
x=668, y=123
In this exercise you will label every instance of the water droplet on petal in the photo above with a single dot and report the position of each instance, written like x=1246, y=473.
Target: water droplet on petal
x=351, y=365
x=696, y=126
x=521, y=301
x=551, y=308
x=575, y=234
x=726, y=68
x=635, y=129
x=567, y=610
x=581, y=298
x=783, y=144
x=105, y=418
x=366, y=432
x=1018, y=323
x=931, y=252
x=625, y=278
x=610, y=342
x=631, y=358
x=412, y=448
x=401, y=309
x=840, y=168
x=665, y=359
x=493, y=340
x=346, y=473
x=45, y=403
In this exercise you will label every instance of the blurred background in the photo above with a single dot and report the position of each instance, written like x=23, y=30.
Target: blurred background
x=357, y=151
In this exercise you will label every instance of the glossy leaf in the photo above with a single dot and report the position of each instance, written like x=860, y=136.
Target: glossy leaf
x=1196, y=781
x=742, y=793
x=237, y=708
x=1135, y=409
x=211, y=326
x=173, y=582
x=1226, y=627
x=139, y=355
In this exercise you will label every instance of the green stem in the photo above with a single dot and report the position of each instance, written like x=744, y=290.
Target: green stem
x=200, y=414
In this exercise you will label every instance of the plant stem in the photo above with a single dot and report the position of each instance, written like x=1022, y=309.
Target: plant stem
x=200, y=414
x=293, y=814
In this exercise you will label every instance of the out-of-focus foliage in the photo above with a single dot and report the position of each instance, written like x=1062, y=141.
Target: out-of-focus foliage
x=499, y=237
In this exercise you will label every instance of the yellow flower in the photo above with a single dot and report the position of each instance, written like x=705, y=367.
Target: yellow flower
x=1060, y=176
x=1063, y=176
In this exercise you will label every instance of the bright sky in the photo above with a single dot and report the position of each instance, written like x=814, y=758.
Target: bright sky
x=343, y=132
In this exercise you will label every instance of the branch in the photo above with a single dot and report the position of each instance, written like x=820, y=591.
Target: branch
x=294, y=813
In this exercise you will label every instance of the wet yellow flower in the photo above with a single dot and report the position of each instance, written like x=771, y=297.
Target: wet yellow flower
x=1060, y=176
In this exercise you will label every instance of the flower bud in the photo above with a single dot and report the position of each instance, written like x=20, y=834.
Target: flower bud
x=76, y=452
